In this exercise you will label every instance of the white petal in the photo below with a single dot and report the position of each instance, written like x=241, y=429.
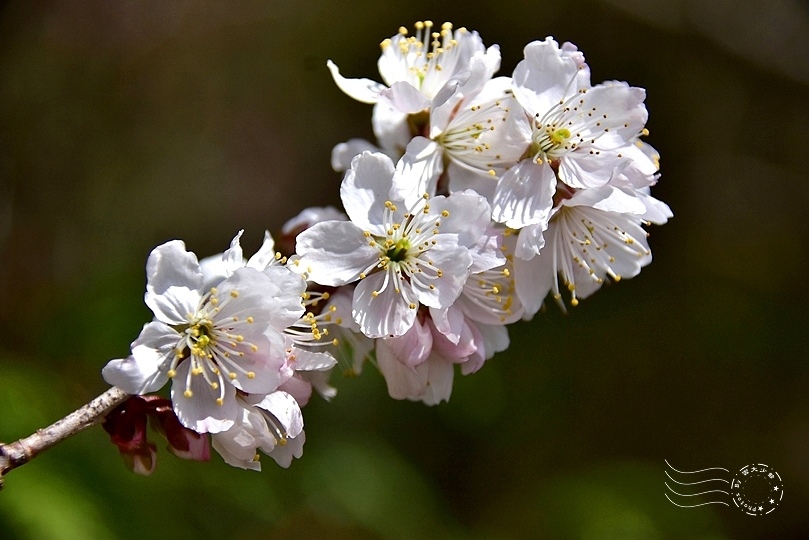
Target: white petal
x=579, y=170
x=454, y=262
x=145, y=370
x=468, y=216
x=391, y=129
x=439, y=380
x=311, y=361
x=524, y=195
x=364, y=90
x=286, y=410
x=343, y=153
x=200, y=411
x=388, y=313
x=534, y=279
x=174, y=281
x=333, y=253
x=273, y=296
x=265, y=256
x=283, y=453
x=530, y=241
x=417, y=172
x=310, y=216
x=544, y=78
x=608, y=199
x=404, y=97
x=364, y=190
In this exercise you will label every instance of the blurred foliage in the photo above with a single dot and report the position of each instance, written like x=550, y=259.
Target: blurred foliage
x=125, y=124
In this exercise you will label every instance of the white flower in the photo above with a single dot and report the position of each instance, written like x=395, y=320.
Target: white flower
x=272, y=424
x=217, y=268
x=419, y=69
x=210, y=342
x=593, y=235
x=404, y=252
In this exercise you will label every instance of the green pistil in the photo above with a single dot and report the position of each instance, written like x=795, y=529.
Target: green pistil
x=399, y=251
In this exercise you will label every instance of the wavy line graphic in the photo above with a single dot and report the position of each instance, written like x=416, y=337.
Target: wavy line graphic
x=695, y=472
x=710, y=496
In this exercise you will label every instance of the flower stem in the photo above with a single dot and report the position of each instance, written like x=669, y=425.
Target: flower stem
x=18, y=453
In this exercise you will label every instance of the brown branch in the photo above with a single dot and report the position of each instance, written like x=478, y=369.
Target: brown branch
x=18, y=453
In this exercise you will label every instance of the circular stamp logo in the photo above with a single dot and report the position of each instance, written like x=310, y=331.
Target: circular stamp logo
x=757, y=489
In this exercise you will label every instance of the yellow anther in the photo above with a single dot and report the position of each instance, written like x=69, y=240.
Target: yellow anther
x=445, y=213
x=251, y=375
x=250, y=320
x=232, y=376
x=234, y=294
x=215, y=385
x=254, y=348
x=375, y=293
x=220, y=401
x=574, y=302
x=403, y=30
x=492, y=173
x=412, y=305
x=171, y=373
x=188, y=393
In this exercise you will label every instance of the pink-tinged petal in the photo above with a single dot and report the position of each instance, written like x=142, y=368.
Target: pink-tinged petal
x=404, y=97
x=199, y=411
x=448, y=322
x=286, y=410
x=468, y=215
x=364, y=90
x=417, y=172
x=299, y=389
x=343, y=153
x=465, y=344
x=453, y=263
x=414, y=346
x=404, y=382
x=174, y=282
x=365, y=189
x=544, y=78
x=534, y=280
x=145, y=370
x=283, y=453
x=333, y=253
x=386, y=314
x=495, y=339
x=524, y=195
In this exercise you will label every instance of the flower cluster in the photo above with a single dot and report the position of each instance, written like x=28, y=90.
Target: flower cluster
x=480, y=197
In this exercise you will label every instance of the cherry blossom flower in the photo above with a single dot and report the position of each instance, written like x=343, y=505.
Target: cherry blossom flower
x=211, y=342
x=404, y=251
x=271, y=423
x=593, y=234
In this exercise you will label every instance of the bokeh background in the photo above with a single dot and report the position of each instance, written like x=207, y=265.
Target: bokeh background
x=126, y=124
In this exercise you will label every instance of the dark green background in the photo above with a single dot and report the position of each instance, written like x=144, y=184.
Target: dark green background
x=126, y=124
